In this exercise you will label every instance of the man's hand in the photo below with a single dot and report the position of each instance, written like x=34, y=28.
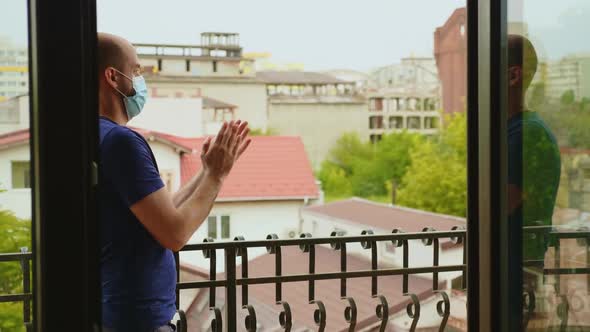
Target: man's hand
x=220, y=153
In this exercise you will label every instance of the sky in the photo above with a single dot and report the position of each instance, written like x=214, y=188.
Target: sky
x=321, y=34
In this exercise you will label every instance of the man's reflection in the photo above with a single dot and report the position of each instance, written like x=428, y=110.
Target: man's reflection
x=534, y=167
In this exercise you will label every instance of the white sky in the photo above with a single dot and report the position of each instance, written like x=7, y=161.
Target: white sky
x=321, y=34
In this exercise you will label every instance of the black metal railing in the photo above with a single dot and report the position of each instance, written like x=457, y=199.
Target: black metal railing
x=24, y=257
x=306, y=243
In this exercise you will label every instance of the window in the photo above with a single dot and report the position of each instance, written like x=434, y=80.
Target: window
x=212, y=227
x=414, y=122
x=396, y=122
x=218, y=227
x=21, y=175
x=376, y=122
x=214, y=66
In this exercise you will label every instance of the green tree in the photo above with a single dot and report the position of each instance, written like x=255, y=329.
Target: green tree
x=568, y=97
x=14, y=234
x=261, y=132
x=437, y=177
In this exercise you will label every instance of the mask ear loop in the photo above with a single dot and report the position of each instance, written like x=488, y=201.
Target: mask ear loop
x=127, y=77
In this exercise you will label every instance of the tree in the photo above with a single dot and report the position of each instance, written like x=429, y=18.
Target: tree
x=568, y=97
x=261, y=132
x=14, y=234
x=437, y=177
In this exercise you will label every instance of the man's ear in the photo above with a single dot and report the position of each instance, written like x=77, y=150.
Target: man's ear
x=111, y=77
x=514, y=75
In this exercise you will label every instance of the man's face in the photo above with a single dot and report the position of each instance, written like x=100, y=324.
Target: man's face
x=131, y=69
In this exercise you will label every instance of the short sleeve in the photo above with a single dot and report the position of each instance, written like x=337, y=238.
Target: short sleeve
x=128, y=165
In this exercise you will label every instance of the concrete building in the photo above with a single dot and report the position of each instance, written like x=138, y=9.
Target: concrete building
x=569, y=73
x=393, y=111
x=317, y=107
x=352, y=216
x=450, y=52
x=411, y=74
x=14, y=69
x=215, y=69
x=14, y=114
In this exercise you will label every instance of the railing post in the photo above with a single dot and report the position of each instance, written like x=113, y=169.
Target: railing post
x=230, y=290
x=24, y=262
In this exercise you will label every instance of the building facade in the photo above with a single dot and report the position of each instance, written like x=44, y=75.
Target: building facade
x=571, y=73
x=214, y=68
x=450, y=52
x=14, y=70
x=411, y=74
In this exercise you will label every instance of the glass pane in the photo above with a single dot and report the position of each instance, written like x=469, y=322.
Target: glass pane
x=212, y=227
x=548, y=78
x=360, y=125
x=225, y=227
x=15, y=176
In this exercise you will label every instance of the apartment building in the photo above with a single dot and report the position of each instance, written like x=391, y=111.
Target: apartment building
x=214, y=68
x=317, y=107
x=569, y=73
x=14, y=72
x=395, y=111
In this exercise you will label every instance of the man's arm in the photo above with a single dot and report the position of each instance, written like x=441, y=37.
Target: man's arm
x=173, y=226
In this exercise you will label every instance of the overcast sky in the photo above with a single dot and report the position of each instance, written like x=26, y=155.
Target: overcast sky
x=321, y=34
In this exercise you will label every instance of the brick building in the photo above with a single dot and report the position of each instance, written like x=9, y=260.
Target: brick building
x=450, y=52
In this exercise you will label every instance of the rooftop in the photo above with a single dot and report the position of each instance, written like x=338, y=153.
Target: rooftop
x=298, y=77
x=295, y=293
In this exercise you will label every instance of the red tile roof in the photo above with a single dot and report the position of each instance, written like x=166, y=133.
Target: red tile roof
x=273, y=167
x=262, y=297
x=14, y=138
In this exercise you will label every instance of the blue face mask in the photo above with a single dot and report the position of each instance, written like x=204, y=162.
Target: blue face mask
x=134, y=104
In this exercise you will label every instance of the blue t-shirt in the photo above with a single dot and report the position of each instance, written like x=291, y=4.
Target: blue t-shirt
x=138, y=275
x=534, y=166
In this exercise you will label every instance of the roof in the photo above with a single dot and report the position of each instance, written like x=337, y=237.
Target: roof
x=328, y=291
x=273, y=168
x=214, y=103
x=385, y=217
x=297, y=77
x=14, y=138
x=22, y=137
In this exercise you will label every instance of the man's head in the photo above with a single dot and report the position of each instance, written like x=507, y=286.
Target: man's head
x=522, y=63
x=118, y=64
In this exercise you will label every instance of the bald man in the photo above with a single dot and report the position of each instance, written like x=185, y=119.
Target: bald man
x=141, y=224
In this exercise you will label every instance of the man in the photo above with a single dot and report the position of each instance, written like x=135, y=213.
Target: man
x=534, y=169
x=141, y=224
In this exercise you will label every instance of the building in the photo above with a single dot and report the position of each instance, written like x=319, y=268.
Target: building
x=185, y=117
x=268, y=186
x=214, y=68
x=411, y=74
x=262, y=297
x=394, y=111
x=317, y=107
x=14, y=69
x=450, y=52
x=267, y=189
x=571, y=73
x=14, y=113
x=348, y=217
x=352, y=216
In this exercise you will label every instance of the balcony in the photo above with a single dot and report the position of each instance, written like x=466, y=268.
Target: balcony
x=238, y=312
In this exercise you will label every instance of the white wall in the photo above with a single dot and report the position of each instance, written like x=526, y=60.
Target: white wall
x=168, y=160
x=419, y=254
x=176, y=116
x=254, y=221
x=23, y=116
x=16, y=200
